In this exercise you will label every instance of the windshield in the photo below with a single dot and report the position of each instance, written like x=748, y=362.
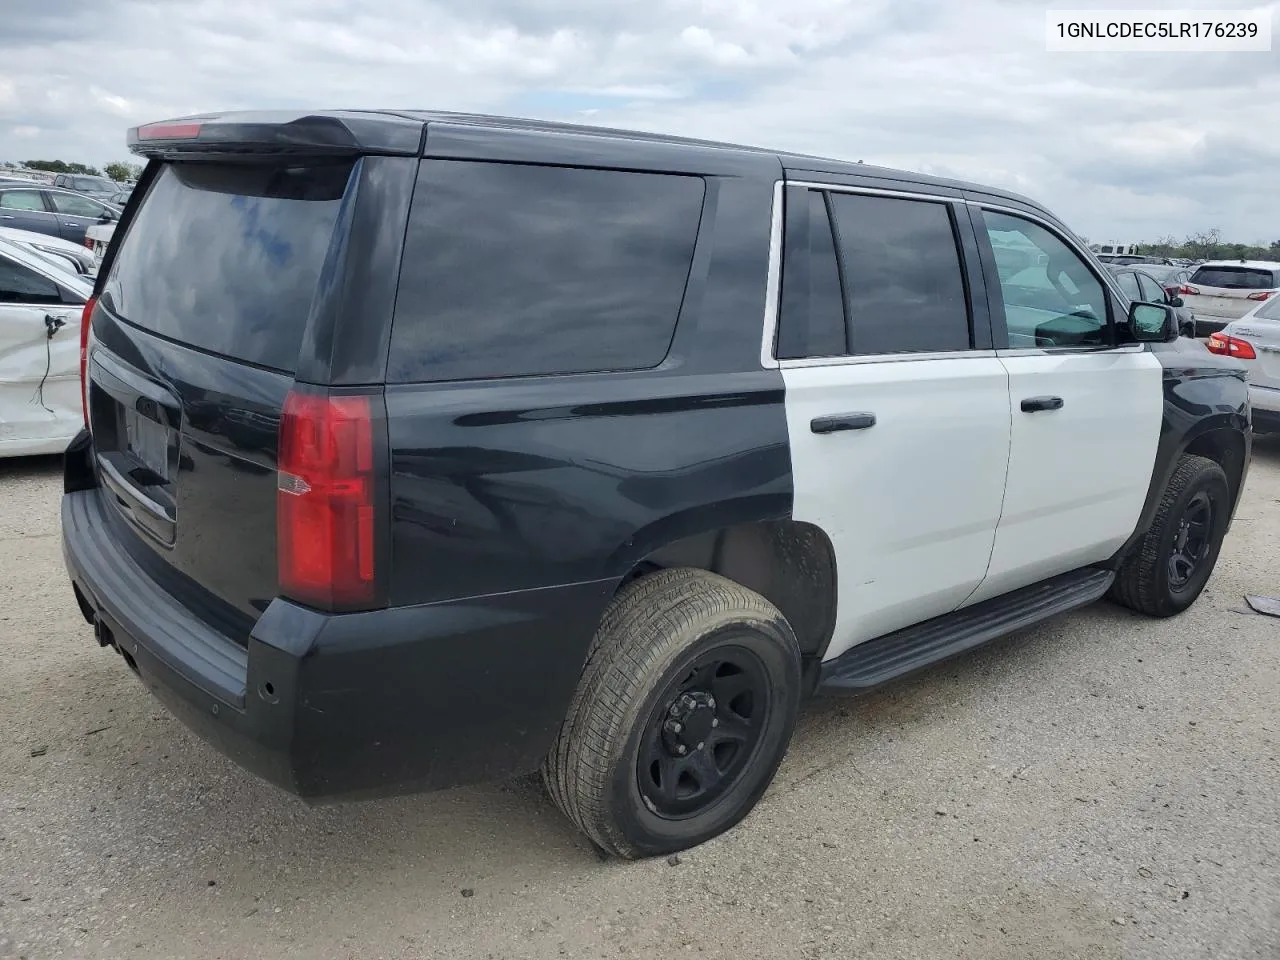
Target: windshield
x=228, y=258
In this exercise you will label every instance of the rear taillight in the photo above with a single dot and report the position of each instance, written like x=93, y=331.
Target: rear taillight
x=326, y=501
x=1229, y=346
x=86, y=321
x=1261, y=294
x=1188, y=291
x=88, y=242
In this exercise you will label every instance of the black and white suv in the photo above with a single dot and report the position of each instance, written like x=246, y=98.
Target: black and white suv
x=426, y=448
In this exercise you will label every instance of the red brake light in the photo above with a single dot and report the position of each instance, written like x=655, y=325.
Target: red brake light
x=1261, y=294
x=1188, y=291
x=86, y=319
x=326, y=500
x=1229, y=346
x=169, y=131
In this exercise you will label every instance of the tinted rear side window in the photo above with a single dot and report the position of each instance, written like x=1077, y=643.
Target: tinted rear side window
x=1235, y=278
x=516, y=270
x=904, y=288
x=227, y=258
x=812, y=319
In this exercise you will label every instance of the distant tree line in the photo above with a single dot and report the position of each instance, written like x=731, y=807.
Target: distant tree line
x=116, y=171
x=1208, y=245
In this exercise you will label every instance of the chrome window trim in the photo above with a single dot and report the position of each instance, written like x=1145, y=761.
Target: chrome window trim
x=773, y=282
x=873, y=191
x=1061, y=351
x=885, y=358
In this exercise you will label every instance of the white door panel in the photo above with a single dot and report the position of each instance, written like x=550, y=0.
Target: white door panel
x=910, y=504
x=1079, y=475
x=32, y=414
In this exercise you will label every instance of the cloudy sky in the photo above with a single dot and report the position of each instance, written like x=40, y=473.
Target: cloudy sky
x=1123, y=146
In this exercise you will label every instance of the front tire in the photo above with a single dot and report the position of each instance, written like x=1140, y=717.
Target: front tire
x=1170, y=565
x=683, y=713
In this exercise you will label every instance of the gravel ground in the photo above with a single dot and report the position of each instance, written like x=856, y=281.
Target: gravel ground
x=1104, y=786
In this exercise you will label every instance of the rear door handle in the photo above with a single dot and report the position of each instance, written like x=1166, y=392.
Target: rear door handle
x=1032, y=404
x=845, y=421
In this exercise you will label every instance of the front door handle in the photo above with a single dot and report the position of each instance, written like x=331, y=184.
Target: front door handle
x=844, y=421
x=1032, y=404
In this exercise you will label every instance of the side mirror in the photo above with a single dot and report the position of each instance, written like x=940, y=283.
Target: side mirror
x=1153, y=322
x=1175, y=301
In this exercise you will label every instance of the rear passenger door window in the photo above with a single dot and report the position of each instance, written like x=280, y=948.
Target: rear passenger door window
x=1051, y=298
x=870, y=275
x=519, y=270
x=1129, y=285
x=904, y=290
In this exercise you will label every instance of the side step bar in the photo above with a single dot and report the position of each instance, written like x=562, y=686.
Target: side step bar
x=913, y=648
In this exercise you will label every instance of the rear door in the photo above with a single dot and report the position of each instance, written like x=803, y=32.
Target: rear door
x=898, y=415
x=39, y=358
x=24, y=209
x=1086, y=414
x=75, y=214
x=202, y=318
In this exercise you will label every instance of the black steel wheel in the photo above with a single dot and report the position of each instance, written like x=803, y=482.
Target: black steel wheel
x=1169, y=567
x=703, y=732
x=683, y=713
x=1192, y=539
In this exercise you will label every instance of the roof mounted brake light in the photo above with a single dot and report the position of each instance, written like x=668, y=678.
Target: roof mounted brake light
x=170, y=130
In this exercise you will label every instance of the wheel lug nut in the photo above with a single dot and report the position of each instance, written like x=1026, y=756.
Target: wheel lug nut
x=700, y=744
x=715, y=722
x=681, y=749
x=711, y=702
x=675, y=727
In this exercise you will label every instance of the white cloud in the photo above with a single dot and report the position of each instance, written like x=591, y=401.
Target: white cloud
x=1120, y=145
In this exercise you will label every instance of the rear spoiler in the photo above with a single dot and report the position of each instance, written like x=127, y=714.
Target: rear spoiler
x=248, y=134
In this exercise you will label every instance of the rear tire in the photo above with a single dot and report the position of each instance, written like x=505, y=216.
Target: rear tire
x=683, y=713
x=1170, y=565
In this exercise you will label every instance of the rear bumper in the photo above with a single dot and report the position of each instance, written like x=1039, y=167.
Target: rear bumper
x=364, y=704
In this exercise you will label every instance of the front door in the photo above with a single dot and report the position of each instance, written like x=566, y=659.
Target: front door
x=1085, y=414
x=39, y=372
x=22, y=208
x=899, y=428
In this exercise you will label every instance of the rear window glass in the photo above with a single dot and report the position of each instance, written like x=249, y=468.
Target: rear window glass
x=1235, y=278
x=517, y=270
x=227, y=258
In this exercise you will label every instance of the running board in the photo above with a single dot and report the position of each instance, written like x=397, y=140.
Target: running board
x=905, y=651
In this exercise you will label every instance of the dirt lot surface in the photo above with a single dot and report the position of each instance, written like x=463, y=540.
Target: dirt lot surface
x=1105, y=786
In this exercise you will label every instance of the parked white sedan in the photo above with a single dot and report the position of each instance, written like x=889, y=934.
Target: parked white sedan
x=40, y=307
x=1254, y=339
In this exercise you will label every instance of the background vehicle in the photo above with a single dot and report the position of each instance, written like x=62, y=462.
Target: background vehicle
x=1254, y=340
x=97, y=239
x=447, y=448
x=100, y=188
x=1138, y=284
x=40, y=308
x=71, y=255
x=57, y=213
x=1220, y=291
